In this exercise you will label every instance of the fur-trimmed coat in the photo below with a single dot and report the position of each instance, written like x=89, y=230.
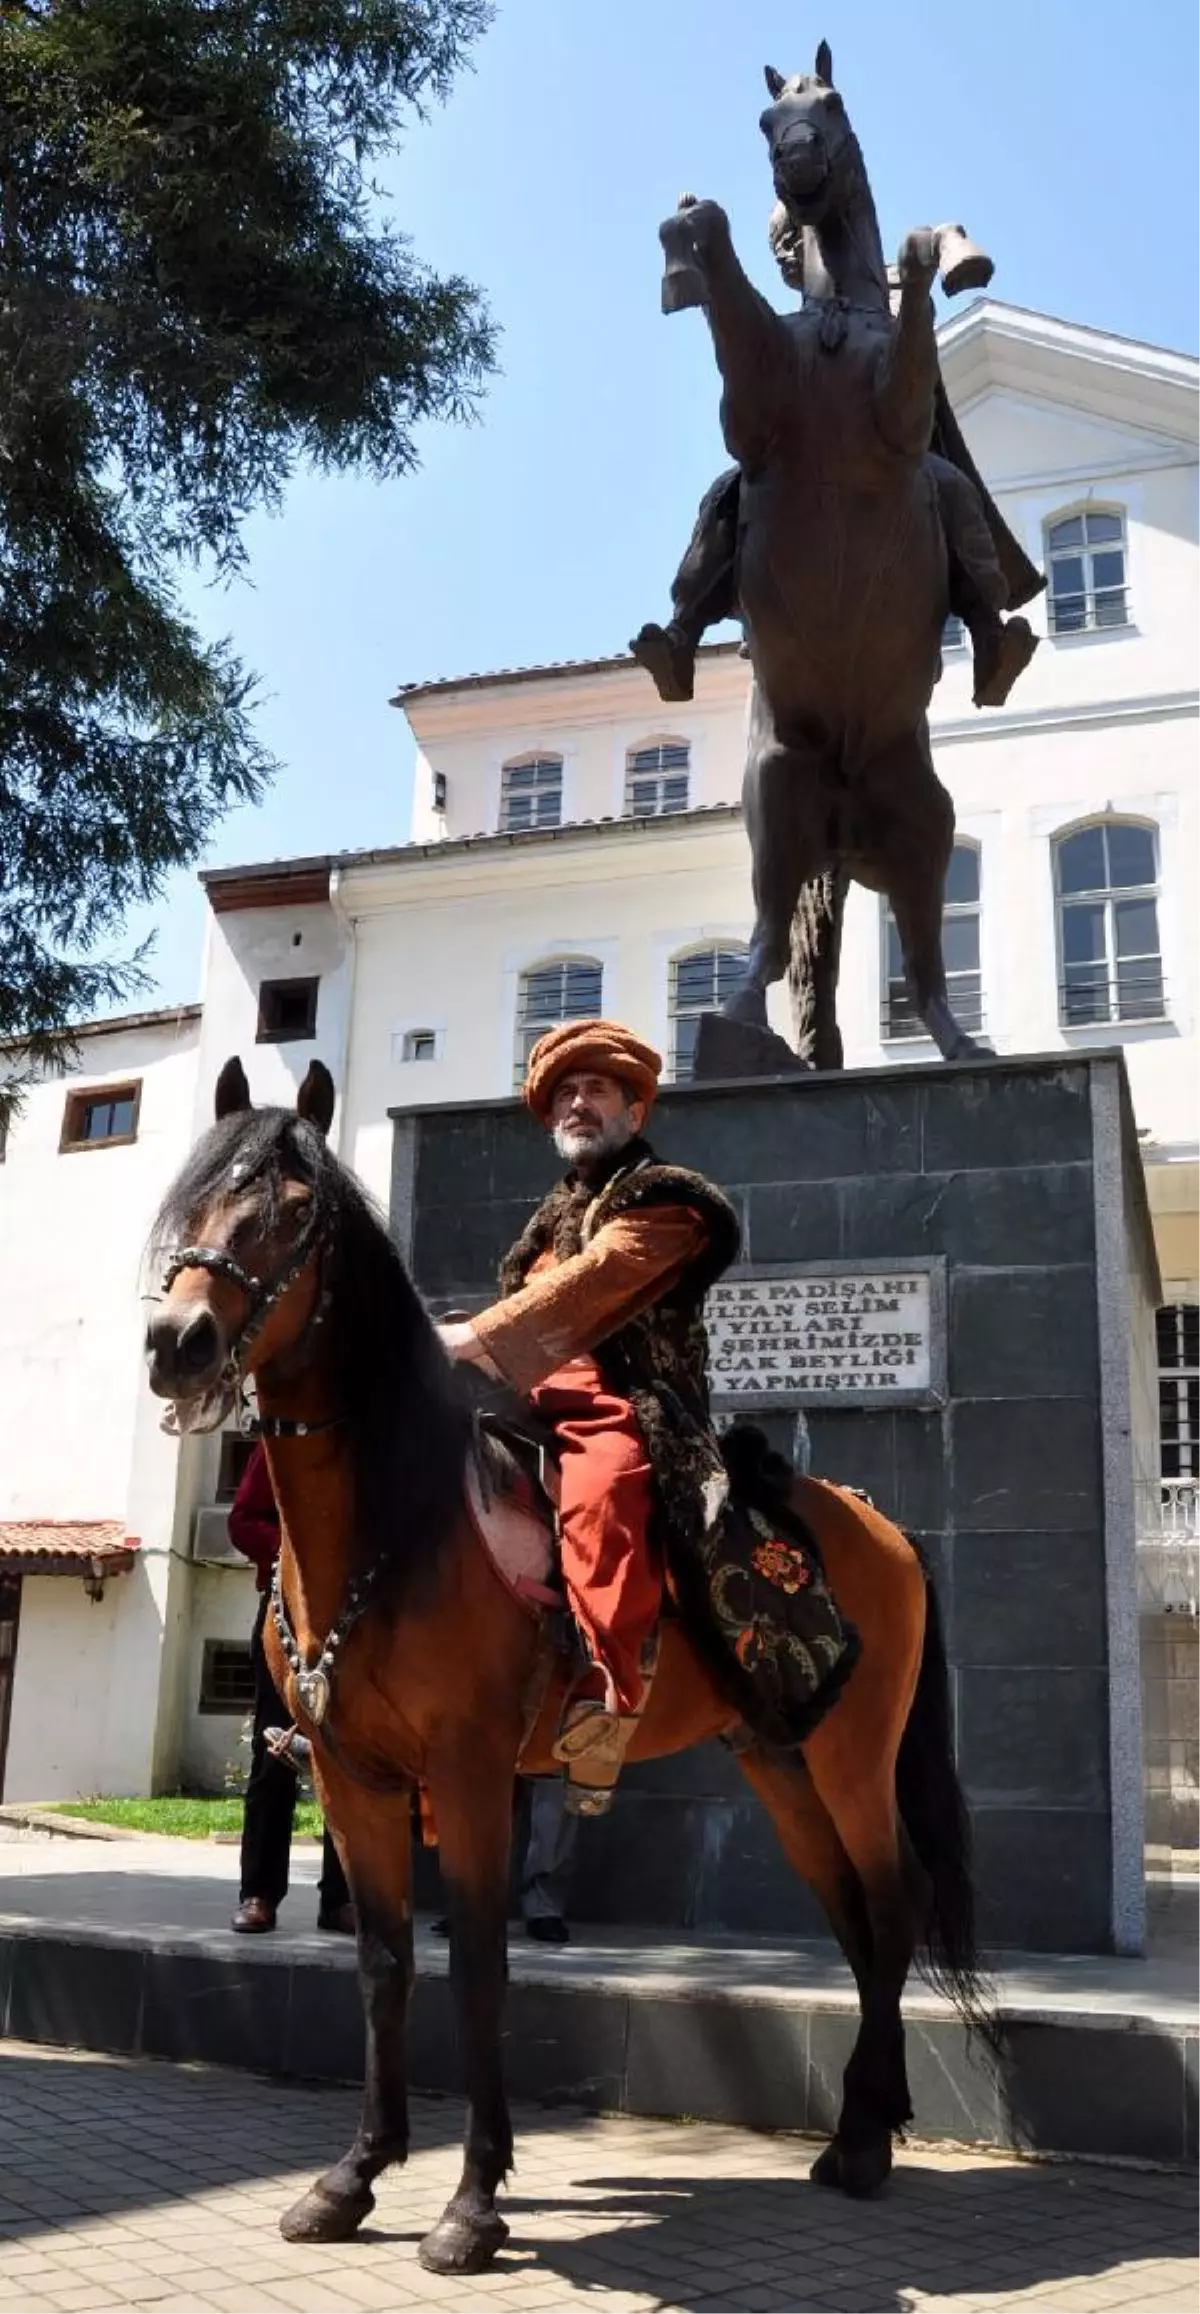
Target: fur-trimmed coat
x=658, y=1359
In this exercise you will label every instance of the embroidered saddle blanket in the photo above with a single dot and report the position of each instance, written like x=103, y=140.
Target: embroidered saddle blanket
x=752, y=1597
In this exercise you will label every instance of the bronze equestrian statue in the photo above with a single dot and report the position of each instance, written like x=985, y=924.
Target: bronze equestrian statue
x=853, y=523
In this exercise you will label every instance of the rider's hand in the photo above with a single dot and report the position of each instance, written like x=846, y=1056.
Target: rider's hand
x=460, y=1342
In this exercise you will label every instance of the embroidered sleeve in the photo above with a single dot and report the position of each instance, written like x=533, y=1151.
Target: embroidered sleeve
x=568, y=1309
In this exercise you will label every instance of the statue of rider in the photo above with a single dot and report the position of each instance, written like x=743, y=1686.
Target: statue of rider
x=988, y=572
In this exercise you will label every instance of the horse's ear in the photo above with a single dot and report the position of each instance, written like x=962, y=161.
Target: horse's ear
x=824, y=64
x=775, y=81
x=233, y=1092
x=316, y=1097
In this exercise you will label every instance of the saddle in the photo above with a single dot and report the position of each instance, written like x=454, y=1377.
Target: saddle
x=751, y=1592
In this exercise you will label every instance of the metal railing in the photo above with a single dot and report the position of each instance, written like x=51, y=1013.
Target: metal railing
x=1168, y=1546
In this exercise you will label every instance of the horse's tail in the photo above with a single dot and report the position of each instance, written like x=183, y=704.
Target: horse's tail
x=816, y=949
x=935, y=1815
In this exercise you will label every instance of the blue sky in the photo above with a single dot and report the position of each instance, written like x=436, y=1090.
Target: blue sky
x=1061, y=132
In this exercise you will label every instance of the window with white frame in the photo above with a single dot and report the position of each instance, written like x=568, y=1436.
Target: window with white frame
x=656, y=779
x=570, y=988
x=701, y=981
x=1085, y=570
x=420, y=1044
x=1179, y=1389
x=1110, y=959
x=531, y=794
x=960, y=948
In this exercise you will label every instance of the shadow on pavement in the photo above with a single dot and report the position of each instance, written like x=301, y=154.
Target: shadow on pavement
x=726, y=2247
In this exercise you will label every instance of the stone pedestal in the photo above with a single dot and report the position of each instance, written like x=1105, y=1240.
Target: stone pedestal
x=1018, y=1185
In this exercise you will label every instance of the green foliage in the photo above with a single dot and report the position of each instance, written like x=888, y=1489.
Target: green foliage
x=182, y=1819
x=197, y=293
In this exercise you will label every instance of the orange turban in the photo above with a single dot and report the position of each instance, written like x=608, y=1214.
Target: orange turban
x=601, y=1046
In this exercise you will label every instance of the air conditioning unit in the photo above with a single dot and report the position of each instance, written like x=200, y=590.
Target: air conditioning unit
x=211, y=1546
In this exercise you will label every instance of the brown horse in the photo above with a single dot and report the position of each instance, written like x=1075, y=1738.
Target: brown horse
x=278, y=1267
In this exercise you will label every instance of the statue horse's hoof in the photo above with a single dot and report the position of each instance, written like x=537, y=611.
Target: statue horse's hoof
x=319, y=2216
x=749, y=1006
x=858, y=2170
x=669, y=659
x=464, y=2241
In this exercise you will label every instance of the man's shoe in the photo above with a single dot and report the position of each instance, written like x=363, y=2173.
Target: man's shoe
x=339, y=1918
x=253, y=1916
x=548, y=1928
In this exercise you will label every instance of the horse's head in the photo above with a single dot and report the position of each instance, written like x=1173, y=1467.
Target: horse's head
x=242, y=1234
x=812, y=145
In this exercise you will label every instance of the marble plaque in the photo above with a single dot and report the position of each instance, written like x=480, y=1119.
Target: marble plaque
x=802, y=1337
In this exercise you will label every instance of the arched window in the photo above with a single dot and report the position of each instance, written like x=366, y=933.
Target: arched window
x=570, y=988
x=531, y=793
x=1106, y=888
x=656, y=779
x=960, y=947
x=1179, y=1392
x=701, y=980
x=1085, y=570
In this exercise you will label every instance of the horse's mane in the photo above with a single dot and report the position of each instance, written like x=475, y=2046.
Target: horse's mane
x=407, y=1417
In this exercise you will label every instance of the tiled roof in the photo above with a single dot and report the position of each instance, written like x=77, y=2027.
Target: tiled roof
x=488, y=839
x=548, y=671
x=65, y=1546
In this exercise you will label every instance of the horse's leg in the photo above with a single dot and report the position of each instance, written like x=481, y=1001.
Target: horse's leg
x=810, y=1842
x=779, y=800
x=471, y=1788
x=909, y=820
x=874, y=1934
x=906, y=383
x=374, y=1839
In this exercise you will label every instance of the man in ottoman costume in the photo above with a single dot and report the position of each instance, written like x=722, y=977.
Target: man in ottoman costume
x=599, y=1326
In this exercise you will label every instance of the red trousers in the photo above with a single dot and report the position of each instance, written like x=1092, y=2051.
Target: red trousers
x=613, y=1583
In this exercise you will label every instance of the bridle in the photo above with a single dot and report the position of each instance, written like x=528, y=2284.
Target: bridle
x=261, y=1296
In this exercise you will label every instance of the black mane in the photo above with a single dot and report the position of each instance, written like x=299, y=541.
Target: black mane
x=408, y=1419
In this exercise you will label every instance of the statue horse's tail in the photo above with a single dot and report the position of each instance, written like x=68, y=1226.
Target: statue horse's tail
x=813, y=970
x=938, y=1824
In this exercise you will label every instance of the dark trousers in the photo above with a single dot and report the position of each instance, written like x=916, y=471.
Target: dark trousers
x=271, y=1800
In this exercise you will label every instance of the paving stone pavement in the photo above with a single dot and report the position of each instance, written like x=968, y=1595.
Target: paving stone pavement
x=128, y=2183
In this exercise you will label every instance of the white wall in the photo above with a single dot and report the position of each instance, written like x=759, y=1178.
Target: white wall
x=593, y=719
x=73, y=1229
x=76, y=1732
x=223, y=1603
x=245, y=948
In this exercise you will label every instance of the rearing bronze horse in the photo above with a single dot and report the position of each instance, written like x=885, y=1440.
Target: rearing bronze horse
x=841, y=562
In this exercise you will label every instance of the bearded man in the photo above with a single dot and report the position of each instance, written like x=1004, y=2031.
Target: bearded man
x=599, y=1325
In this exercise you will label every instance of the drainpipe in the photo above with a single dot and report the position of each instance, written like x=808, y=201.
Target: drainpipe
x=350, y=932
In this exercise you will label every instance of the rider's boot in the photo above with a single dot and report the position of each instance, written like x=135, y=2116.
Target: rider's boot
x=1003, y=649
x=594, y=1734
x=668, y=655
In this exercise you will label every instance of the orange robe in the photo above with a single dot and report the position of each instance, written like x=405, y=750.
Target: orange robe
x=541, y=1339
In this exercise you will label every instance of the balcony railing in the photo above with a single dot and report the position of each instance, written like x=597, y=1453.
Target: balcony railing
x=1168, y=1540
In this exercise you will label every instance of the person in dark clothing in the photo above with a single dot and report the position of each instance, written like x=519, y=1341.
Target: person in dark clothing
x=271, y=1786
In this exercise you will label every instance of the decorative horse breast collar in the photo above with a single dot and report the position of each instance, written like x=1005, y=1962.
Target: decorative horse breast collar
x=314, y=1682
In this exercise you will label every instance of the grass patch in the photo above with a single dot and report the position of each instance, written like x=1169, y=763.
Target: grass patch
x=182, y=1818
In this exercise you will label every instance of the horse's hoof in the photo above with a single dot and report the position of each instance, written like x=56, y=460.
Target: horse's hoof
x=326, y=2217
x=858, y=2170
x=749, y=1006
x=827, y=2168
x=463, y=2242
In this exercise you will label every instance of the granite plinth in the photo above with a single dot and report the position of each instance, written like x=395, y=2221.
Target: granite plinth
x=1022, y=1179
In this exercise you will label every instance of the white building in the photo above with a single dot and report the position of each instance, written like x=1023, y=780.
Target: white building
x=575, y=847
